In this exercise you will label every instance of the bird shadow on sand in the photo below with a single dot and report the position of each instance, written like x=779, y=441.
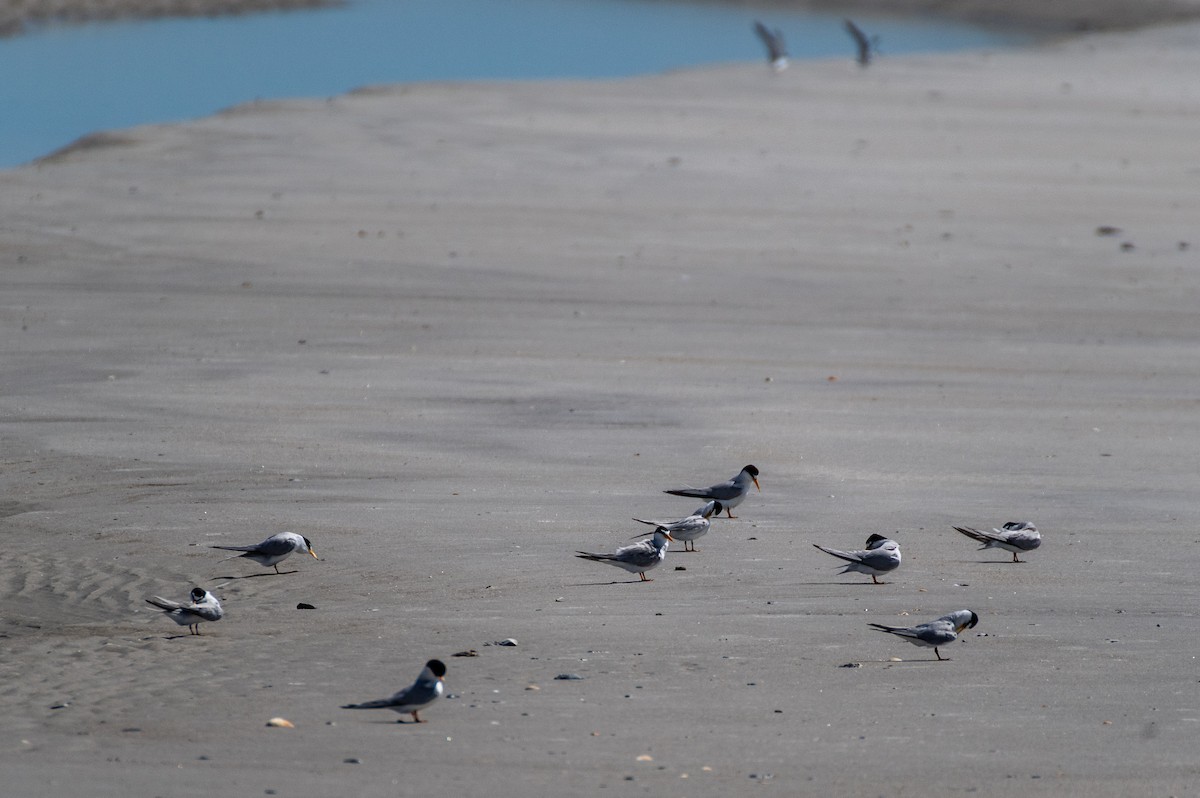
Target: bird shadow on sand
x=171, y=637
x=614, y=582
x=847, y=584
x=887, y=663
x=256, y=576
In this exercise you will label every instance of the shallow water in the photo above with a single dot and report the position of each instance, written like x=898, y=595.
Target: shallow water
x=61, y=82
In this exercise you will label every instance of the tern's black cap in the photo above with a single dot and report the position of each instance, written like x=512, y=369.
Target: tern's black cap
x=437, y=666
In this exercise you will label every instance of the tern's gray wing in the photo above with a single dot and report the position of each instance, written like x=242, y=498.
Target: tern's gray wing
x=936, y=633
x=703, y=511
x=200, y=612
x=688, y=526
x=988, y=539
x=271, y=547
x=974, y=534
x=848, y=556
x=187, y=614
x=879, y=559
x=640, y=554
x=722, y=491
x=1021, y=535
x=416, y=695
x=257, y=548
x=210, y=609
x=1025, y=537
x=685, y=528
x=397, y=701
x=164, y=604
x=382, y=703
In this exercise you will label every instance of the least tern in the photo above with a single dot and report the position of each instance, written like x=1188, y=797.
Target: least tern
x=881, y=555
x=866, y=46
x=935, y=633
x=637, y=558
x=274, y=549
x=1017, y=536
x=777, y=54
x=729, y=493
x=204, y=606
x=686, y=529
x=428, y=688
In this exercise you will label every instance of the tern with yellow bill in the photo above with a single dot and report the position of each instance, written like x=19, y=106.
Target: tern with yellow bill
x=274, y=549
x=729, y=493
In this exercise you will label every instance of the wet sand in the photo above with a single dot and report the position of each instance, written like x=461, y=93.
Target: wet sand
x=453, y=333
x=19, y=16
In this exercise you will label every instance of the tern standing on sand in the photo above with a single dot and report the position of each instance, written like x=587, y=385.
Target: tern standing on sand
x=935, y=633
x=274, y=549
x=637, y=558
x=203, y=606
x=428, y=688
x=729, y=493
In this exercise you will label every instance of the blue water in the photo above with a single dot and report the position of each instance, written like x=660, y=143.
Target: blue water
x=61, y=82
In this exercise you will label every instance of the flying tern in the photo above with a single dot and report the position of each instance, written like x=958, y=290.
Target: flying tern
x=777, y=54
x=866, y=46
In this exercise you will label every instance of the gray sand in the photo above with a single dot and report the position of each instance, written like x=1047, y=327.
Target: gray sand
x=453, y=333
